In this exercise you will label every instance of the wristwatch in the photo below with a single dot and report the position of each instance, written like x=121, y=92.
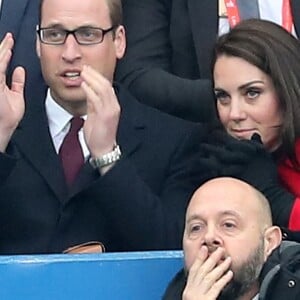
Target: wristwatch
x=106, y=159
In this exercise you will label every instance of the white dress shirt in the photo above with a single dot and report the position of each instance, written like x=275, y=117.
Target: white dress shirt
x=59, y=124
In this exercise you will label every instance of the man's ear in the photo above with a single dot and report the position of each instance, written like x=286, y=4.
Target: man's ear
x=120, y=41
x=273, y=238
x=38, y=46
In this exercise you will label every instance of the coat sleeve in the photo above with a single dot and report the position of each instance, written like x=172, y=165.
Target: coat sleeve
x=7, y=163
x=139, y=215
x=147, y=68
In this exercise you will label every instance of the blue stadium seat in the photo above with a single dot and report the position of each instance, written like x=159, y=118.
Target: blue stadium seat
x=113, y=276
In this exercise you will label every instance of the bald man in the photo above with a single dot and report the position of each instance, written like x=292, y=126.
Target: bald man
x=228, y=236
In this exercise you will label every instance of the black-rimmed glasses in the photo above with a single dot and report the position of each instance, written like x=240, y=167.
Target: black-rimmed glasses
x=85, y=35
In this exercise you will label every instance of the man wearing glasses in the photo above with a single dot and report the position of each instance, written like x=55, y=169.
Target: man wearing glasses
x=90, y=163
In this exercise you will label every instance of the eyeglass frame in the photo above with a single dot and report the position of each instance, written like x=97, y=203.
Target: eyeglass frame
x=73, y=33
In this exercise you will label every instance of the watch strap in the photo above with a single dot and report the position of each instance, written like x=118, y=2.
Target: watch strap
x=106, y=159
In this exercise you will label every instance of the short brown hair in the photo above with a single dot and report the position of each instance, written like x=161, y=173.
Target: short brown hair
x=114, y=7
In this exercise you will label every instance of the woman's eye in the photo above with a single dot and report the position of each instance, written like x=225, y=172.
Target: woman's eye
x=221, y=96
x=252, y=93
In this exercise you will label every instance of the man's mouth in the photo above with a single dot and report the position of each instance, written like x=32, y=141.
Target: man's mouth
x=72, y=75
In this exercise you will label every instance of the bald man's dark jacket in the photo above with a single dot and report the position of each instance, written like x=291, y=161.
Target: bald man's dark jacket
x=279, y=278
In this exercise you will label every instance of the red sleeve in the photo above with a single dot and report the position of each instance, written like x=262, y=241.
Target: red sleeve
x=294, y=222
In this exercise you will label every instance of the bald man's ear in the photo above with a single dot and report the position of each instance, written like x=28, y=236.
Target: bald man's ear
x=273, y=238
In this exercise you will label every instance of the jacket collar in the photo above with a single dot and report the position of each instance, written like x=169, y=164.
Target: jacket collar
x=132, y=121
x=33, y=139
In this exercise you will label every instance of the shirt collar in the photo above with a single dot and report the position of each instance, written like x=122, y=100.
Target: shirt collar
x=58, y=117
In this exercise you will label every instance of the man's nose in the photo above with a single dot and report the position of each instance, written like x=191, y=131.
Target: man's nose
x=71, y=49
x=212, y=237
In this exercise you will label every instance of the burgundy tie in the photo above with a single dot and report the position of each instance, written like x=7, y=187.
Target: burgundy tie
x=70, y=151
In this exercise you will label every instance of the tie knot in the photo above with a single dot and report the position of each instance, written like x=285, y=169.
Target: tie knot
x=76, y=124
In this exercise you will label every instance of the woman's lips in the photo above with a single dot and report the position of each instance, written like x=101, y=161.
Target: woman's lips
x=243, y=133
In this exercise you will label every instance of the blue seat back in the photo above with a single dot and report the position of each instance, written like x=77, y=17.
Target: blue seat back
x=113, y=276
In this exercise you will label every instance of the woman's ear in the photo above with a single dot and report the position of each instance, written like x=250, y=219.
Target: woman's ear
x=273, y=238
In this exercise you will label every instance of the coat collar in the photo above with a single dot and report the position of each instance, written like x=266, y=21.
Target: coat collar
x=132, y=122
x=33, y=139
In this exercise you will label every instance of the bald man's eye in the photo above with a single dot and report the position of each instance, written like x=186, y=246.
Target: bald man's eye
x=195, y=229
x=229, y=225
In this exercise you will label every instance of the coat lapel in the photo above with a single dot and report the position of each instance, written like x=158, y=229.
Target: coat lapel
x=11, y=16
x=33, y=139
x=129, y=136
x=295, y=4
x=204, y=23
x=131, y=125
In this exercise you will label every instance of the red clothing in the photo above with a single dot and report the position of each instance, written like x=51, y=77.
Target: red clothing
x=290, y=178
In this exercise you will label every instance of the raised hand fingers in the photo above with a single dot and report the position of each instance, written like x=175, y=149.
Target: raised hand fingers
x=193, y=292
x=204, y=264
x=219, y=285
x=208, y=275
x=103, y=112
x=18, y=80
x=5, y=55
x=98, y=89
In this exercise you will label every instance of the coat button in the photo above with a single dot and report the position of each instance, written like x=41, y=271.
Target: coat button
x=291, y=283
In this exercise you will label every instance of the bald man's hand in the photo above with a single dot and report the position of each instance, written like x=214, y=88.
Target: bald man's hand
x=11, y=99
x=208, y=275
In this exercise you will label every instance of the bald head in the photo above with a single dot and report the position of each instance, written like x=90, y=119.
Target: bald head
x=232, y=194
